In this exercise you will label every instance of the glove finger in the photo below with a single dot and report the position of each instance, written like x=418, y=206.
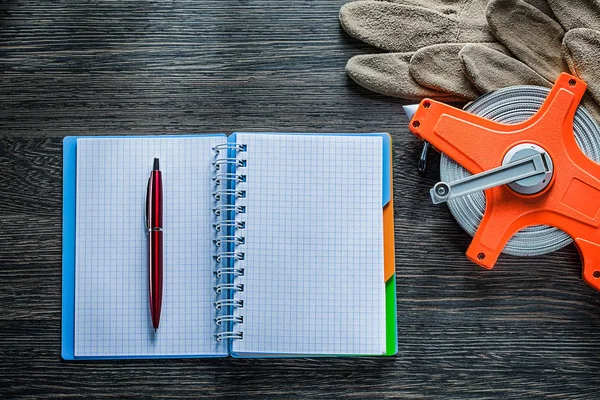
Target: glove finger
x=490, y=70
x=403, y=28
x=582, y=52
x=389, y=74
x=577, y=13
x=529, y=34
x=438, y=67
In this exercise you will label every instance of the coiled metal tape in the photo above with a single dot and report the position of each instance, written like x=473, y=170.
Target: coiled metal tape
x=511, y=106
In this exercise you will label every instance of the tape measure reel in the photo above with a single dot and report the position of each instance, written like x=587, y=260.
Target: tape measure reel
x=513, y=105
x=520, y=171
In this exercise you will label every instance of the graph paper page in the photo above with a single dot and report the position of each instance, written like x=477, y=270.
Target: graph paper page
x=313, y=265
x=112, y=316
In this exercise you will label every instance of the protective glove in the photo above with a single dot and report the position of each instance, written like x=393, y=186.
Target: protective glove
x=425, y=38
x=541, y=45
x=405, y=26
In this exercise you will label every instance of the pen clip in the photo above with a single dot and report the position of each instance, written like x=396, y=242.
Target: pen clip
x=147, y=219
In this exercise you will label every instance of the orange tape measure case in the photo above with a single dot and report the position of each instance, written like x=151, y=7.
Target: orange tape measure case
x=532, y=172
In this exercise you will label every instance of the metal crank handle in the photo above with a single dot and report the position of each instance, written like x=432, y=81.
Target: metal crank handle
x=511, y=172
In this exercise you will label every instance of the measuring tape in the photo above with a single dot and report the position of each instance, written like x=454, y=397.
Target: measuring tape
x=530, y=150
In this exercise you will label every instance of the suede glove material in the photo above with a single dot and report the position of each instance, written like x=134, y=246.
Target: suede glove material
x=424, y=38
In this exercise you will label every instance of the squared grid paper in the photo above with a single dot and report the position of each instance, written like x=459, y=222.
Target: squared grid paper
x=313, y=280
x=112, y=315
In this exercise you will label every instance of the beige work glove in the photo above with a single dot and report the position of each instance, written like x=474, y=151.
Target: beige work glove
x=424, y=38
x=541, y=48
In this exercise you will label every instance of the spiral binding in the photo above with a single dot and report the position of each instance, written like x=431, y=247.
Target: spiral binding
x=229, y=335
x=224, y=271
x=229, y=286
x=229, y=303
x=218, y=194
x=229, y=239
x=228, y=207
x=229, y=318
x=229, y=222
x=228, y=161
x=228, y=166
x=226, y=176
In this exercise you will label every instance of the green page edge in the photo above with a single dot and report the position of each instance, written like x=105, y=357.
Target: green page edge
x=391, y=345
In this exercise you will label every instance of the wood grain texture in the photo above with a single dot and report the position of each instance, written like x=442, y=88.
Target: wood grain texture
x=530, y=328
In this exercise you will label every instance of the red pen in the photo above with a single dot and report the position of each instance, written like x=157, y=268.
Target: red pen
x=154, y=224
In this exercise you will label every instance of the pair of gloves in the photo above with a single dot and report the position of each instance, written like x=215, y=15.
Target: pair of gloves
x=457, y=50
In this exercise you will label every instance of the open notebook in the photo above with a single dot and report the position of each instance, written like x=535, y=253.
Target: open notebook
x=310, y=246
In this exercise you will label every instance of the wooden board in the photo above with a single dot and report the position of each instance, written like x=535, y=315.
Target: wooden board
x=530, y=328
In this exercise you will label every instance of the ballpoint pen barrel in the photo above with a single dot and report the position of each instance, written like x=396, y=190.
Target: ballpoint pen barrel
x=154, y=218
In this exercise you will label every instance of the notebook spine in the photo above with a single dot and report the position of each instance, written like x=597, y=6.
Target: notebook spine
x=229, y=210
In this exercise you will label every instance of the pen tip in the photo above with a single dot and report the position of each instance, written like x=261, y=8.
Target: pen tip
x=155, y=330
x=156, y=167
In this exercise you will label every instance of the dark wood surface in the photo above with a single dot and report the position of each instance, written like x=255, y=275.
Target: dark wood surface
x=530, y=328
